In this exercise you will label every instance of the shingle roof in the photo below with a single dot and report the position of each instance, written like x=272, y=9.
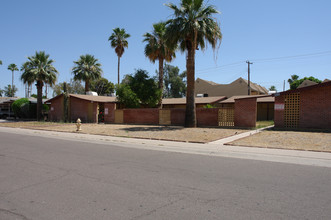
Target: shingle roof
x=198, y=100
x=95, y=98
x=262, y=98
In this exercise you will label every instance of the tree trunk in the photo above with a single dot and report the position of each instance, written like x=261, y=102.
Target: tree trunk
x=39, y=100
x=161, y=80
x=190, y=116
x=12, y=84
x=87, y=86
x=118, y=71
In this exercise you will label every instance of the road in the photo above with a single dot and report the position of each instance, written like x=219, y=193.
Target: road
x=52, y=178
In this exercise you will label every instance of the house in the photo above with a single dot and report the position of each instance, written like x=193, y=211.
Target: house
x=307, y=82
x=265, y=105
x=306, y=107
x=237, y=87
x=90, y=109
x=200, y=102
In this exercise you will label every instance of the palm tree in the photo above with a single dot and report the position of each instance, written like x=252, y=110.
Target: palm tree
x=87, y=69
x=12, y=67
x=192, y=26
x=118, y=41
x=0, y=62
x=156, y=49
x=39, y=68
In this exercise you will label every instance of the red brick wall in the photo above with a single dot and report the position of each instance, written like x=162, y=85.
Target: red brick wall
x=80, y=109
x=56, y=109
x=110, y=117
x=245, y=111
x=279, y=111
x=207, y=116
x=315, y=108
x=178, y=117
x=141, y=116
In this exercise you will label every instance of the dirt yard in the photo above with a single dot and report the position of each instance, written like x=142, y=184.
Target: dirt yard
x=174, y=133
x=312, y=141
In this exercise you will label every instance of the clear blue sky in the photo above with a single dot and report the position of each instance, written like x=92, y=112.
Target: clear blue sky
x=255, y=30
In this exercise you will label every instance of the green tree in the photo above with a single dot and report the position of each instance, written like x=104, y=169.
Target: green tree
x=10, y=91
x=0, y=62
x=118, y=40
x=103, y=87
x=39, y=68
x=87, y=69
x=192, y=26
x=73, y=87
x=157, y=49
x=141, y=87
x=126, y=96
x=292, y=79
x=296, y=83
x=174, y=83
x=272, y=88
x=12, y=67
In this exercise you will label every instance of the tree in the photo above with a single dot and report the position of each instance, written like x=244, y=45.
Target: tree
x=292, y=79
x=39, y=68
x=157, y=49
x=0, y=62
x=103, y=87
x=175, y=84
x=296, y=83
x=192, y=26
x=9, y=92
x=87, y=69
x=272, y=88
x=139, y=88
x=118, y=40
x=12, y=67
x=73, y=87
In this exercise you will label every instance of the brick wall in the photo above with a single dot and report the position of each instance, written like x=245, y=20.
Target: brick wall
x=245, y=111
x=110, y=117
x=279, y=114
x=56, y=109
x=178, y=117
x=141, y=116
x=207, y=116
x=315, y=108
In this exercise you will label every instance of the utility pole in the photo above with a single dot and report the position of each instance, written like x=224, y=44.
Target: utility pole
x=284, y=86
x=249, y=73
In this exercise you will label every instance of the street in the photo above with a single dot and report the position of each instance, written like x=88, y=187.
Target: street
x=44, y=178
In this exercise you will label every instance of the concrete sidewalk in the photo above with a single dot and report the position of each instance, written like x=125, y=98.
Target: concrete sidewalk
x=216, y=148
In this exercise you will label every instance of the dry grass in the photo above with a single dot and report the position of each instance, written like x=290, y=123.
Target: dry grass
x=174, y=133
x=311, y=141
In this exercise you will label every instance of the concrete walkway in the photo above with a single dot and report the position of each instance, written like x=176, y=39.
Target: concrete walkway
x=216, y=148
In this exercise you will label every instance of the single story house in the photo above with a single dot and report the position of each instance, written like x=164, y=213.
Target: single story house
x=200, y=102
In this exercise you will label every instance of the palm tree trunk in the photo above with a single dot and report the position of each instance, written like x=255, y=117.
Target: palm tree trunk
x=190, y=116
x=118, y=71
x=161, y=80
x=87, y=86
x=12, y=84
x=39, y=100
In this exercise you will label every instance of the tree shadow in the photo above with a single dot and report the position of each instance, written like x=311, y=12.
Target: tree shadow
x=147, y=128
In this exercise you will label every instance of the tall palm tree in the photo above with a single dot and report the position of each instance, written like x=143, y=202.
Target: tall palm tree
x=0, y=62
x=118, y=40
x=192, y=26
x=12, y=67
x=39, y=68
x=157, y=49
x=87, y=69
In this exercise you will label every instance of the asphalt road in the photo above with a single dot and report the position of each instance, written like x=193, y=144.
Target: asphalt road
x=49, y=178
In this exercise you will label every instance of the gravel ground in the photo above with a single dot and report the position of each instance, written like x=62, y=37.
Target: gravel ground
x=174, y=133
x=312, y=141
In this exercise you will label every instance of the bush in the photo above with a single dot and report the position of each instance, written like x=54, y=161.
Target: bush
x=17, y=106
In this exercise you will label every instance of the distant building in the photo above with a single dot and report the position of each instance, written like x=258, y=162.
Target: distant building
x=238, y=87
x=306, y=83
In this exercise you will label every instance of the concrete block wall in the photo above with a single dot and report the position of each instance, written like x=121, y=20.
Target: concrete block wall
x=245, y=111
x=207, y=117
x=279, y=114
x=56, y=110
x=110, y=117
x=177, y=117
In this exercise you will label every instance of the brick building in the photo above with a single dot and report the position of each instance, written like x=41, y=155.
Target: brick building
x=307, y=107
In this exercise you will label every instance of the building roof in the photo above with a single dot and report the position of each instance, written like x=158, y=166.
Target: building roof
x=198, y=100
x=95, y=98
x=304, y=88
x=307, y=82
x=260, y=98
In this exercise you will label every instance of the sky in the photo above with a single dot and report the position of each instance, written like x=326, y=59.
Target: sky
x=280, y=38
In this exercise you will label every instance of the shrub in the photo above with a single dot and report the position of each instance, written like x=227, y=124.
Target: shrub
x=17, y=106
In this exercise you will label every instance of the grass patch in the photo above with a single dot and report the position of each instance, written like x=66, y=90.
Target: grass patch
x=263, y=124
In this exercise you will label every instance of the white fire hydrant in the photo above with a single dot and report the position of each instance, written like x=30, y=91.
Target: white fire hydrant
x=78, y=124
